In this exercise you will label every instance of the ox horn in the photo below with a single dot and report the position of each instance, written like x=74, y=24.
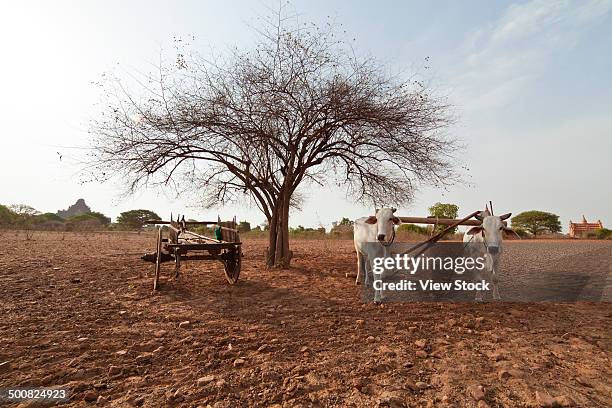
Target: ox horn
x=486, y=210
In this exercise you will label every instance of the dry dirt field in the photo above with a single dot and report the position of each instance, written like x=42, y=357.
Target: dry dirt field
x=78, y=312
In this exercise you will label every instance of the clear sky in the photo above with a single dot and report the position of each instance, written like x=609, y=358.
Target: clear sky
x=530, y=81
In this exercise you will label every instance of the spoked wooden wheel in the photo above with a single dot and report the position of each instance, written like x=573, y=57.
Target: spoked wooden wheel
x=232, y=263
x=158, y=259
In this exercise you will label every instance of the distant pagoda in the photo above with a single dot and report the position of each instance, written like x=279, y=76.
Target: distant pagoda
x=582, y=229
x=75, y=209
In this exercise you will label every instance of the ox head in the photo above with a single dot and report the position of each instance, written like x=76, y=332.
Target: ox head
x=491, y=229
x=384, y=220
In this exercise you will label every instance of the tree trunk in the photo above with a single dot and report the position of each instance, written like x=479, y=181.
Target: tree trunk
x=283, y=255
x=272, y=235
x=278, y=254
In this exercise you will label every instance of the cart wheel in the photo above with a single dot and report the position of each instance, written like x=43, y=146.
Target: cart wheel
x=232, y=264
x=158, y=259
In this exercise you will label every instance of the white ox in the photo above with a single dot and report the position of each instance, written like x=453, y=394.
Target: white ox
x=380, y=229
x=486, y=241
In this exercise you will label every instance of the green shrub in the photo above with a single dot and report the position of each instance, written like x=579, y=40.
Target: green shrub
x=444, y=210
x=24, y=215
x=7, y=216
x=244, y=226
x=103, y=219
x=413, y=228
x=136, y=219
x=202, y=230
x=603, y=233
x=537, y=222
x=301, y=232
x=42, y=218
x=342, y=229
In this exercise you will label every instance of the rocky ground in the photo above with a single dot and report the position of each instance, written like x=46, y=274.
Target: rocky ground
x=78, y=313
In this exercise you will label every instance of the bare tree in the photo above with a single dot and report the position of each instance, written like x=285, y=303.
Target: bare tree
x=23, y=218
x=298, y=107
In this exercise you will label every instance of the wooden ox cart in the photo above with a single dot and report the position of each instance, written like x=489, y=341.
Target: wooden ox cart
x=181, y=245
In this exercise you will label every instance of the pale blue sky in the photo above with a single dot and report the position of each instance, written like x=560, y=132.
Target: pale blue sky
x=530, y=82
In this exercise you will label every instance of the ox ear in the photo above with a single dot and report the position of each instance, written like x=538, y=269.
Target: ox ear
x=474, y=230
x=396, y=220
x=505, y=216
x=479, y=216
x=371, y=220
x=511, y=231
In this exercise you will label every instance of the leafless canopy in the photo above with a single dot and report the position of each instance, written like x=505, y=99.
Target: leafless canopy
x=297, y=107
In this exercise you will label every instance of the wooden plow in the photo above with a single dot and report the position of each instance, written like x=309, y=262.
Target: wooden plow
x=176, y=243
x=421, y=247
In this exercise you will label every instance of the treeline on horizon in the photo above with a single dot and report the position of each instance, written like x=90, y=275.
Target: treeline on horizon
x=23, y=216
x=529, y=224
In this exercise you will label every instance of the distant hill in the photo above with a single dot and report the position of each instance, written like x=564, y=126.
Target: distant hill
x=75, y=209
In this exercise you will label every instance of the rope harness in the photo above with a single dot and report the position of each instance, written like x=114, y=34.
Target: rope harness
x=388, y=243
x=484, y=241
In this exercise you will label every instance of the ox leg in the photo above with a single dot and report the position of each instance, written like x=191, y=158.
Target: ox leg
x=495, y=281
x=367, y=269
x=361, y=270
x=378, y=296
x=489, y=272
x=478, y=278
